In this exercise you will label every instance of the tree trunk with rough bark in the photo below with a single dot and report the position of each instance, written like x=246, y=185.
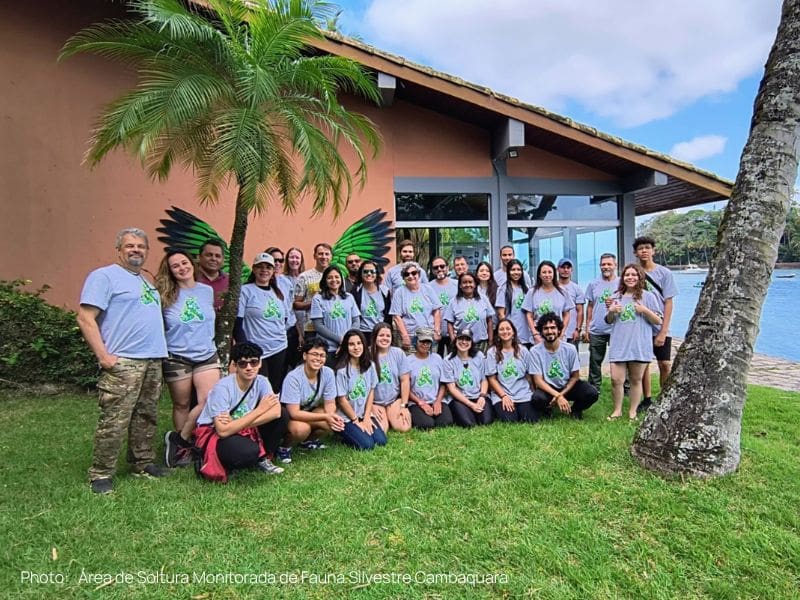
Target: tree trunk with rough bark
x=227, y=315
x=695, y=428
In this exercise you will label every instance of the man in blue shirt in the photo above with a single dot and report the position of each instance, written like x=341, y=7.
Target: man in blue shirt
x=120, y=318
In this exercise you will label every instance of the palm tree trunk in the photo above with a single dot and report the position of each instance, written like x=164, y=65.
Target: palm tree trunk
x=227, y=316
x=696, y=427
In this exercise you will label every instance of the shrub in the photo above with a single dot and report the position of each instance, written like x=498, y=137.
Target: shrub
x=41, y=343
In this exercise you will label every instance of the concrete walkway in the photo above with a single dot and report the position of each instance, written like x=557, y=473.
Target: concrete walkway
x=765, y=370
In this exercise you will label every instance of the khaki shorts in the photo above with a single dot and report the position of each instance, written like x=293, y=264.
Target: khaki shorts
x=176, y=368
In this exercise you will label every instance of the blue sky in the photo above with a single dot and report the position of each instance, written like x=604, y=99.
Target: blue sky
x=679, y=77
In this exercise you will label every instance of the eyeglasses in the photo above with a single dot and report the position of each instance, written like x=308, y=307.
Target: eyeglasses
x=243, y=363
x=410, y=274
x=317, y=355
x=369, y=272
x=439, y=267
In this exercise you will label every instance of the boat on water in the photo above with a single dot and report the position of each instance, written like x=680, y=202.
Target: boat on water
x=786, y=275
x=692, y=268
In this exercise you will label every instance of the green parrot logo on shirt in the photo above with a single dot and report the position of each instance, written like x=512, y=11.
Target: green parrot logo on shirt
x=466, y=379
x=415, y=306
x=272, y=310
x=148, y=297
x=518, y=302
x=628, y=313
x=191, y=311
x=444, y=298
x=425, y=378
x=240, y=411
x=556, y=371
x=605, y=295
x=372, y=309
x=337, y=312
x=545, y=307
x=386, y=374
x=471, y=316
x=359, y=389
x=510, y=370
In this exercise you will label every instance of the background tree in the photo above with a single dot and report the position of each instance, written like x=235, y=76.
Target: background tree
x=696, y=427
x=232, y=93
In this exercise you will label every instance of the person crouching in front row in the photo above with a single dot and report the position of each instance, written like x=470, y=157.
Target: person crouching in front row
x=241, y=416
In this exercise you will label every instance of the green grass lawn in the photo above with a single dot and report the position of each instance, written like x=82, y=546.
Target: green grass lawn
x=555, y=510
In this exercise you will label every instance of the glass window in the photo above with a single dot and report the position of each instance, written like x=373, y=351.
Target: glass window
x=442, y=207
x=448, y=242
x=552, y=207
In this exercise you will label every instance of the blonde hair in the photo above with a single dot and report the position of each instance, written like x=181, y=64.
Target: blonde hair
x=166, y=284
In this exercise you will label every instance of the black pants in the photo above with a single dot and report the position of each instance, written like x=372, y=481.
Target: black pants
x=464, y=416
x=582, y=396
x=274, y=368
x=523, y=412
x=272, y=433
x=237, y=452
x=445, y=345
x=420, y=420
x=293, y=355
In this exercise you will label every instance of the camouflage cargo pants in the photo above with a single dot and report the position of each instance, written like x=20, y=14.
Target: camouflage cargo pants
x=128, y=399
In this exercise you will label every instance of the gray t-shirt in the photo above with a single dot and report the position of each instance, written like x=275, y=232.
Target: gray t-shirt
x=297, y=389
x=415, y=308
x=130, y=319
x=426, y=376
x=286, y=284
x=467, y=375
x=357, y=387
x=555, y=367
x=264, y=318
x=575, y=293
x=631, y=333
x=516, y=315
x=226, y=394
x=512, y=373
x=596, y=294
x=394, y=278
x=445, y=292
x=472, y=313
x=338, y=314
x=371, y=309
x=392, y=368
x=666, y=281
x=189, y=323
x=541, y=302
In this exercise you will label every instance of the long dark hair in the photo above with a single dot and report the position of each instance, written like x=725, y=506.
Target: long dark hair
x=491, y=288
x=476, y=294
x=323, y=284
x=373, y=346
x=538, y=284
x=640, y=287
x=273, y=282
x=360, y=275
x=498, y=343
x=509, y=299
x=472, y=349
x=342, y=357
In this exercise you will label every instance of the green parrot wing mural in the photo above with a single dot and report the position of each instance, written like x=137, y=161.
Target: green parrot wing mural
x=368, y=237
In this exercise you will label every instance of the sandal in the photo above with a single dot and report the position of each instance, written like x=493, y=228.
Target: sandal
x=613, y=417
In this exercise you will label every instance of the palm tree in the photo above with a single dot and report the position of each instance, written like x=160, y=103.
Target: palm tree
x=233, y=93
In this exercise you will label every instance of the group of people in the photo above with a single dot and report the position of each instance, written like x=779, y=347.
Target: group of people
x=319, y=352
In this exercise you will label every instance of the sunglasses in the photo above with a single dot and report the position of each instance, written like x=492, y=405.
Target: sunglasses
x=369, y=272
x=280, y=260
x=439, y=267
x=410, y=274
x=354, y=261
x=243, y=363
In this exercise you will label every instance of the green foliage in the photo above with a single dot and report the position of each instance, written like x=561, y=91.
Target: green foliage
x=40, y=343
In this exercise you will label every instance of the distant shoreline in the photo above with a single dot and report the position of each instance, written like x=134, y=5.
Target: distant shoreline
x=785, y=265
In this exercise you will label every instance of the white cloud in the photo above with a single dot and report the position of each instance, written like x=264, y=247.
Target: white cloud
x=699, y=148
x=629, y=60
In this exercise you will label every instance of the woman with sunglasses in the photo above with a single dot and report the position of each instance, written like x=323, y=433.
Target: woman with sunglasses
x=309, y=397
x=470, y=310
x=355, y=392
x=510, y=297
x=546, y=296
x=263, y=314
x=428, y=405
x=507, y=368
x=465, y=378
x=372, y=299
x=390, y=406
x=413, y=307
x=333, y=310
x=188, y=308
x=487, y=286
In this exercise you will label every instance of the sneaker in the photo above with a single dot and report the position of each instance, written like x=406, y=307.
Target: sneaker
x=267, y=466
x=284, y=455
x=183, y=459
x=151, y=471
x=102, y=486
x=644, y=405
x=312, y=445
x=576, y=414
x=171, y=448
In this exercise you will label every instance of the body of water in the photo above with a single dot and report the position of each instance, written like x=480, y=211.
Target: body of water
x=780, y=319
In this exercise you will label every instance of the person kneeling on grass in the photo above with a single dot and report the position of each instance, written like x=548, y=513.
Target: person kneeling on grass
x=465, y=378
x=355, y=391
x=555, y=367
x=240, y=413
x=309, y=395
x=427, y=407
